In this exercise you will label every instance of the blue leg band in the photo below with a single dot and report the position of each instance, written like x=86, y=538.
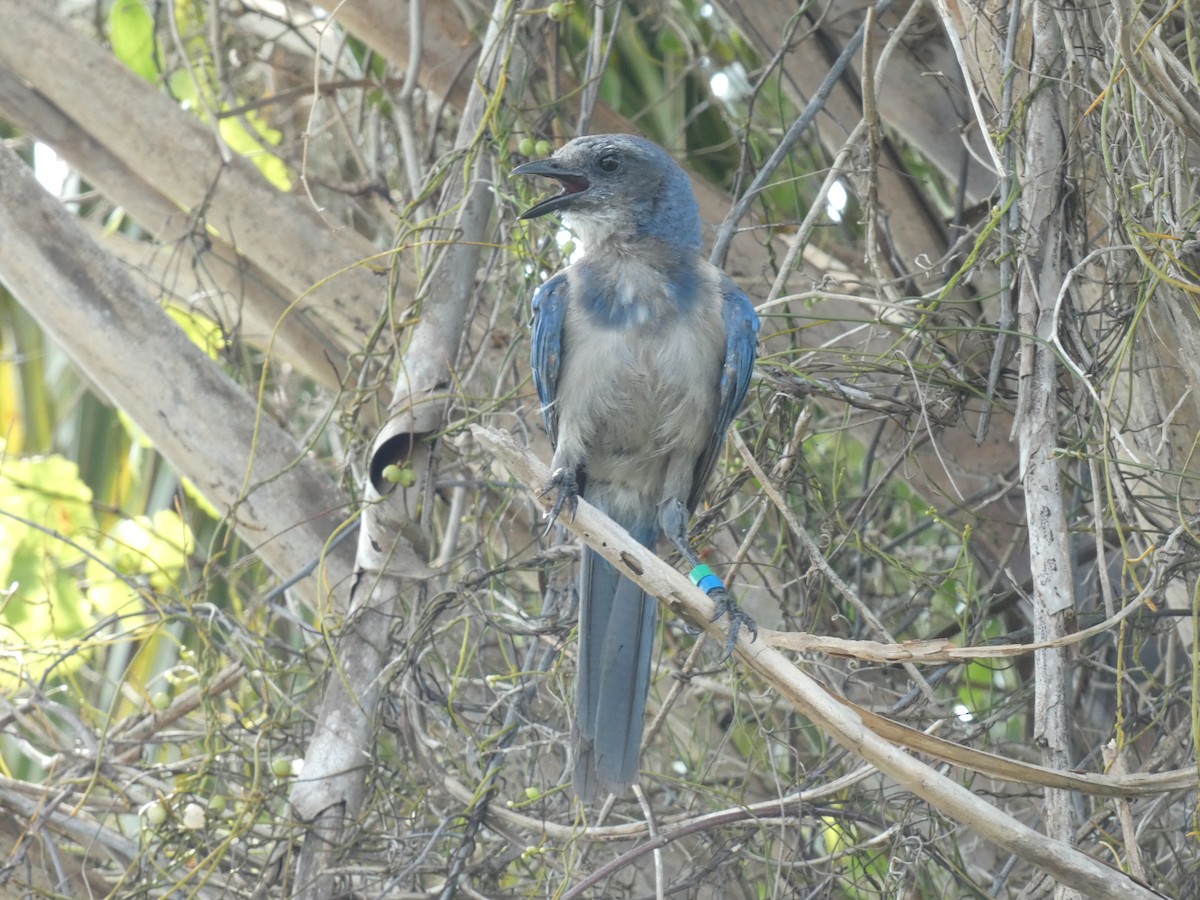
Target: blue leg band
x=702, y=576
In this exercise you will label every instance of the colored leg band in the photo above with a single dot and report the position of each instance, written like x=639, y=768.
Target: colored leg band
x=702, y=576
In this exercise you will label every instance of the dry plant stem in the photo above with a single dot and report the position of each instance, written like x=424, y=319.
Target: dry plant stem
x=838, y=169
x=92, y=307
x=239, y=290
x=537, y=659
x=941, y=650
x=870, y=111
x=677, y=686
x=1106, y=588
x=1040, y=281
x=950, y=27
x=1148, y=54
x=388, y=587
x=648, y=815
x=797, y=129
x=1008, y=226
x=141, y=731
x=210, y=116
x=330, y=792
x=820, y=562
x=1062, y=861
x=406, y=109
x=797, y=242
x=1114, y=759
x=76, y=825
x=1016, y=772
x=597, y=62
x=782, y=809
x=168, y=147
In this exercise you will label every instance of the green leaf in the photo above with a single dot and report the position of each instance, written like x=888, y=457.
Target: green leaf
x=131, y=32
x=49, y=530
x=249, y=141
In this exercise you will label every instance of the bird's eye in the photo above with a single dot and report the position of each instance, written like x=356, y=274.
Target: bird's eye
x=609, y=162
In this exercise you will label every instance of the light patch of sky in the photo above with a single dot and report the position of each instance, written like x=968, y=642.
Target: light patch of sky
x=964, y=714
x=729, y=84
x=720, y=86
x=836, y=200
x=49, y=169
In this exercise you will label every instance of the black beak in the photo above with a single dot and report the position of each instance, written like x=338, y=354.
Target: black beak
x=572, y=180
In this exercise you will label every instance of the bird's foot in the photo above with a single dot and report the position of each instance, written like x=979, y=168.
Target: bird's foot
x=702, y=576
x=566, y=484
x=727, y=606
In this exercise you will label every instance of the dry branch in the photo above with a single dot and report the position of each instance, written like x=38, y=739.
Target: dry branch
x=1062, y=861
x=280, y=501
x=234, y=289
x=176, y=154
x=389, y=584
x=1043, y=224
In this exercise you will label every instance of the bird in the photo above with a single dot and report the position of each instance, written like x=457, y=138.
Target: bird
x=642, y=353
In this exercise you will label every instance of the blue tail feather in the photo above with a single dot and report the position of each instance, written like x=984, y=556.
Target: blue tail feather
x=616, y=647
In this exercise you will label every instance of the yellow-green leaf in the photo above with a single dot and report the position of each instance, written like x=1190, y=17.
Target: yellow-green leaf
x=131, y=32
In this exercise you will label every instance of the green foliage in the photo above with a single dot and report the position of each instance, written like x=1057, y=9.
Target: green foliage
x=134, y=40
x=64, y=574
x=133, y=37
x=47, y=529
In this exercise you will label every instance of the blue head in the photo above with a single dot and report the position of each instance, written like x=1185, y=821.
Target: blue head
x=619, y=187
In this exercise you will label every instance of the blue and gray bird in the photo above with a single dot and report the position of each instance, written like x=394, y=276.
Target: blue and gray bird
x=642, y=354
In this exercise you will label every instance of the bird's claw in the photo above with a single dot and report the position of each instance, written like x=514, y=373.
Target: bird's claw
x=727, y=606
x=564, y=481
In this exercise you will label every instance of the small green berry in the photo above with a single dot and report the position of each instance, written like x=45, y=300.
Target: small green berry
x=557, y=12
x=542, y=148
x=280, y=767
x=526, y=147
x=160, y=700
x=568, y=248
x=393, y=473
x=532, y=793
x=217, y=804
x=155, y=813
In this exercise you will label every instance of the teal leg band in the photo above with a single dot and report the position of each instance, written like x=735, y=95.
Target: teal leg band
x=702, y=576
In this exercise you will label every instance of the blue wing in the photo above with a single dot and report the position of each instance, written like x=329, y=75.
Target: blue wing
x=741, y=348
x=549, y=311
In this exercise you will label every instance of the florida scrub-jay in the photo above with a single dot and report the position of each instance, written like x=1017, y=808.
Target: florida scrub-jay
x=642, y=353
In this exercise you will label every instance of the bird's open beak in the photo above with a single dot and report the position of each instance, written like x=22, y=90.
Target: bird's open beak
x=572, y=180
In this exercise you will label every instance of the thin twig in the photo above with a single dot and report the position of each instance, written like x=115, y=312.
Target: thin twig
x=797, y=129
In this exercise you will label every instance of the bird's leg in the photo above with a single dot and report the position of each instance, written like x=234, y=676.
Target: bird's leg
x=673, y=518
x=567, y=483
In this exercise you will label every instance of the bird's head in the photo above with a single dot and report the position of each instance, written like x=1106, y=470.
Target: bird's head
x=618, y=185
